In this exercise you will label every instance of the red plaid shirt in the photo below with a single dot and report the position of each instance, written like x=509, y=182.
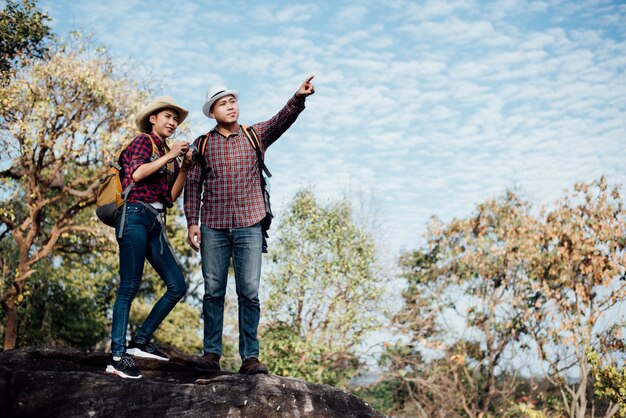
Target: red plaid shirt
x=233, y=197
x=154, y=188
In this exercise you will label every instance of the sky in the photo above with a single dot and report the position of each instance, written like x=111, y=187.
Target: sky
x=427, y=107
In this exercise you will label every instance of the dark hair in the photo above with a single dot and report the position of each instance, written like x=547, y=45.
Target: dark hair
x=156, y=112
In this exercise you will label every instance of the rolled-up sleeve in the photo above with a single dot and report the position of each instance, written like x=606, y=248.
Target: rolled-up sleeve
x=270, y=130
x=140, y=152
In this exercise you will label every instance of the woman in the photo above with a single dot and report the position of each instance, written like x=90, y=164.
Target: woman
x=158, y=181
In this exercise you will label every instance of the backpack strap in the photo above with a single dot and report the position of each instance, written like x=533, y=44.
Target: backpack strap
x=202, y=142
x=125, y=194
x=253, y=138
x=120, y=167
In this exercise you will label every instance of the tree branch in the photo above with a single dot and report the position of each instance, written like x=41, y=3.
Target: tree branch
x=8, y=222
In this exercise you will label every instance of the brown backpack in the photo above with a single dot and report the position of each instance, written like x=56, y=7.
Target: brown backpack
x=110, y=196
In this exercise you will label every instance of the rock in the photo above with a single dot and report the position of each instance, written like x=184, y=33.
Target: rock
x=62, y=382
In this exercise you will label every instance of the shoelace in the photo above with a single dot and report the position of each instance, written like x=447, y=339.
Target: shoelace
x=128, y=361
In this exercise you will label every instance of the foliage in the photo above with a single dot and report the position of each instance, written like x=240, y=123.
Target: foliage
x=291, y=355
x=60, y=119
x=465, y=306
x=68, y=301
x=324, y=290
x=581, y=257
x=504, y=281
x=66, y=306
x=180, y=329
x=393, y=392
x=524, y=410
x=23, y=33
x=610, y=382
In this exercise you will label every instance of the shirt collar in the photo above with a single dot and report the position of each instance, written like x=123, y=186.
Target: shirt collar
x=215, y=131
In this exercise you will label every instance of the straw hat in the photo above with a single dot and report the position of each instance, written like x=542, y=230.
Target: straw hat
x=158, y=103
x=214, y=94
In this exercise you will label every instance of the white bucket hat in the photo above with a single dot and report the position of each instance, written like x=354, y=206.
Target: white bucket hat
x=215, y=93
x=158, y=103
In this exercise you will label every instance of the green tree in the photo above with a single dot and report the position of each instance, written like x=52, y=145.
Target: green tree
x=61, y=118
x=65, y=305
x=23, y=34
x=325, y=287
x=610, y=382
x=69, y=298
x=65, y=301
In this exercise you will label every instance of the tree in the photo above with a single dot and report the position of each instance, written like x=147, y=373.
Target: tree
x=69, y=301
x=324, y=291
x=23, y=34
x=513, y=281
x=66, y=303
x=576, y=280
x=464, y=304
x=610, y=382
x=64, y=300
x=61, y=118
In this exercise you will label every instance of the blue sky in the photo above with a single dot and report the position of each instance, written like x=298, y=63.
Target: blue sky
x=428, y=106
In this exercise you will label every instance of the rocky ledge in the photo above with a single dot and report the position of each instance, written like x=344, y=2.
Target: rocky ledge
x=62, y=382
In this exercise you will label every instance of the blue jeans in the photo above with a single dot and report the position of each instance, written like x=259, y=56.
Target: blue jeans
x=142, y=240
x=217, y=247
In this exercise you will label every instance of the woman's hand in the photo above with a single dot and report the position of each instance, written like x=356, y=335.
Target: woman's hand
x=187, y=161
x=178, y=148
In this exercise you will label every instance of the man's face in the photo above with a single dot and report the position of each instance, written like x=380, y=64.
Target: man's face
x=225, y=110
x=164, y=123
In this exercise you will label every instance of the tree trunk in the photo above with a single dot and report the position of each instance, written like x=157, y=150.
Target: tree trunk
x=10, y=327
x=10, y=304
x=612, y=410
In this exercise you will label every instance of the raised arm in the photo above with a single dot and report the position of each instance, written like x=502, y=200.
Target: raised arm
x=307, y=88
x=270, y=130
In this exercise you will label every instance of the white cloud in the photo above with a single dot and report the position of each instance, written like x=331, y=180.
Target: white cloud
x=348, y=17
x=294, y=13
x=436, y=105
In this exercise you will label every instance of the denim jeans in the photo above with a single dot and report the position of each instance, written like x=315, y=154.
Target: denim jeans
x=142, y=240
x=217, y=247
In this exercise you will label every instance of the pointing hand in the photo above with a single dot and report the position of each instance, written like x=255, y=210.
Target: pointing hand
x=307, y=88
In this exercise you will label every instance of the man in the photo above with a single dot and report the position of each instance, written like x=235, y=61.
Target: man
x=229, y=227
x=158, y=181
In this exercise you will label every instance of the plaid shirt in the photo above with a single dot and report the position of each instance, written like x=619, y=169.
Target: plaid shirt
x=233, y=197
x=154, y=188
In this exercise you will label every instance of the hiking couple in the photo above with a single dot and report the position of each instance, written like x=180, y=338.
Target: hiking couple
x=226, y=225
